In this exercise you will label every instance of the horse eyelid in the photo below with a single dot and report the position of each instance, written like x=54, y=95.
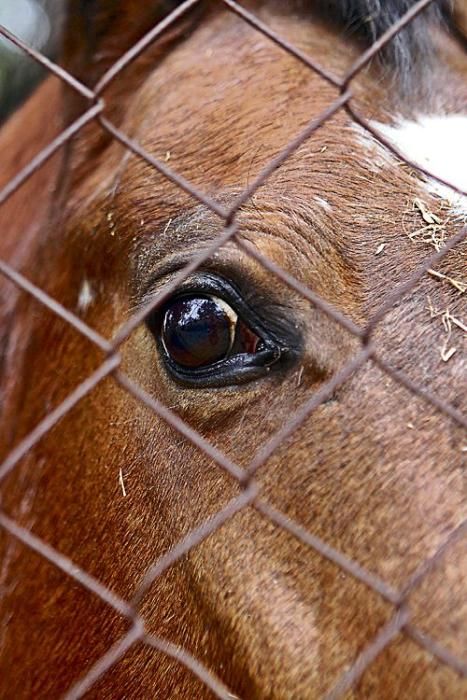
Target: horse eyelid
x=255, y=307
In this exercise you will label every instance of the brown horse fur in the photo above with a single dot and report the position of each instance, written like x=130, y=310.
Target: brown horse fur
x=375, y=471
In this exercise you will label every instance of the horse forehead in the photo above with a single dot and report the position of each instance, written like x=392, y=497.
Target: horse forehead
x=238, y=90
x=228, y=119
x=240, y=78
x=239, y=100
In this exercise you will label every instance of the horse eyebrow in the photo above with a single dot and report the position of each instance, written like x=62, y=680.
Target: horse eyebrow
x=174, y=242
x=161, y=249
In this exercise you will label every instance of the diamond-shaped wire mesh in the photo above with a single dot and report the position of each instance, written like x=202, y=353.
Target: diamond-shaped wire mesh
x=250, y=495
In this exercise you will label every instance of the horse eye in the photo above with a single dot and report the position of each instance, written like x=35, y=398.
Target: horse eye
x=199, y=331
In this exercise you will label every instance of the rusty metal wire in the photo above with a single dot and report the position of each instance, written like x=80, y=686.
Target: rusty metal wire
x=250, y=494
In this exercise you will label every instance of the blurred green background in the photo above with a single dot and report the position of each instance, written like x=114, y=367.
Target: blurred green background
x=39, y=24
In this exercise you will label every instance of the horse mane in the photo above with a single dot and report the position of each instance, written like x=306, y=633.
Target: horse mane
x=411, y=50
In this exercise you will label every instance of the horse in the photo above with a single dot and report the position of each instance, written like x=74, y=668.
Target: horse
x=244, y=477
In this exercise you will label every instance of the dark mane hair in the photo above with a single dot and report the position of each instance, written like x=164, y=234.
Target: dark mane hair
x=367, y=20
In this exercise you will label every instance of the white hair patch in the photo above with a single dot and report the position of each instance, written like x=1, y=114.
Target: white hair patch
x=86, y=296
x=438, y=144
x=323, y=203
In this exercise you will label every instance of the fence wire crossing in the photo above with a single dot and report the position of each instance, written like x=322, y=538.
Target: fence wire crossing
x=250, y=494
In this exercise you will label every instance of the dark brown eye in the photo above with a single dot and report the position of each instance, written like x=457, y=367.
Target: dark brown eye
x=198, y=331
x=208, y=336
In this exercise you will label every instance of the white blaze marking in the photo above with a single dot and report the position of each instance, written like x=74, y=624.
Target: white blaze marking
x=86, y=296
x=438, y=144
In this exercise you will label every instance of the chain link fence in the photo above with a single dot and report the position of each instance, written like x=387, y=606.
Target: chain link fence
x=250, y=495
